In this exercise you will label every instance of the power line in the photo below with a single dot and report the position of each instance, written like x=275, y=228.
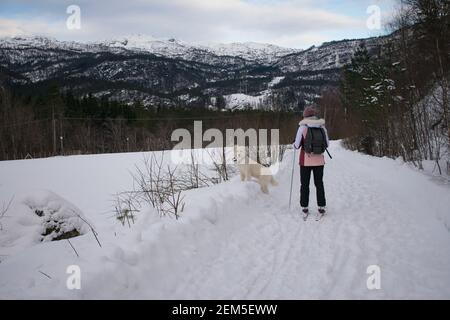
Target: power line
x=125, y=119
x=24, y=123
x=154, y=119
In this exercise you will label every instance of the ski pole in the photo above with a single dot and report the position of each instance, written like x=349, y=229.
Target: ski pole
x=328, y=153
x=292, y=178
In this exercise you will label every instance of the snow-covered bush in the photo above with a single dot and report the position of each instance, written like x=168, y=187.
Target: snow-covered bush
x=39, y=217
x=58, y=218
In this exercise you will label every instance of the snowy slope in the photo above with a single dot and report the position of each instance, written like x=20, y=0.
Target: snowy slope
x=260, y=52
x=25, y=42
x=174, y=48
x=235, y=242
x=237, y=101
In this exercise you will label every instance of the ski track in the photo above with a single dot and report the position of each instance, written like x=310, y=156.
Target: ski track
x=255, y=247
x=284, y=257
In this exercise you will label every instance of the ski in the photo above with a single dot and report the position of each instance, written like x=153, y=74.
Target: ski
x=320, y=214
x=305, y=213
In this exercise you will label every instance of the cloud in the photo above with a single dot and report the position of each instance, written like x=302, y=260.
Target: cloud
x=10, y=27
x=15, y=27
x=293, y=23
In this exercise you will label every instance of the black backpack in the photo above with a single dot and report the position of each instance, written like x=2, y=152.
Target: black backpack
x=315, y=141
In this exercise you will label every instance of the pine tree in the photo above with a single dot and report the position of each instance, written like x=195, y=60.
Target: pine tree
x=367, y=94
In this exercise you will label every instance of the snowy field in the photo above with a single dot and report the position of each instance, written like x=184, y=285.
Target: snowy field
x=232, y=241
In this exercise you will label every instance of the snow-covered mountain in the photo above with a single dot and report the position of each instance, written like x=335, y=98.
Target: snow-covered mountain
x=170, y=72
x=260, y=52
x=174, y=48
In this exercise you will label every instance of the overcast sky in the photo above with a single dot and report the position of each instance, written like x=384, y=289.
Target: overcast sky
x=288, y=23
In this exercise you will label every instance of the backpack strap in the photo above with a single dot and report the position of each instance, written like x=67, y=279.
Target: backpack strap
x=322, y=132
x=303, y=138
x=312, y=135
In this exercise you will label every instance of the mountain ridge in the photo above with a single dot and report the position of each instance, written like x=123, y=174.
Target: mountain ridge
x=170, y=72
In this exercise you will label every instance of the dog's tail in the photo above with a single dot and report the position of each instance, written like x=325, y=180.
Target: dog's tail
x=273, y=181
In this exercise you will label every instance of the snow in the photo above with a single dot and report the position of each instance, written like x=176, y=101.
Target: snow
x=35, y=213
x=232, y=241
x=170, y=47
x=431, y=168
x=167, y=47
x=261, y=52
x=244, y=101
x=275, y=81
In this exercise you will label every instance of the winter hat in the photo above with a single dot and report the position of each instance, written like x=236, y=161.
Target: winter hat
x=309, y=112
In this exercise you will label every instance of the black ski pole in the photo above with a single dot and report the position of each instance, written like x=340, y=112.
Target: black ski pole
x=328, y=153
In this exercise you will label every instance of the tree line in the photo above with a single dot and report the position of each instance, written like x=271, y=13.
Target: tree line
x=60, y=123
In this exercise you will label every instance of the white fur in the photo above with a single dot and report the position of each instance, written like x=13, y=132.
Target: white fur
x=312, y=122
x=249, y=168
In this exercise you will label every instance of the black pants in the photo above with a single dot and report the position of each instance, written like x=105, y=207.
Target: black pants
x=305, y=176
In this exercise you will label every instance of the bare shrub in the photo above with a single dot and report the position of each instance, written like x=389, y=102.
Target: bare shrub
x=172, y=199
x=192, y=177
x=4, y=208
x=220, y=165
x=160, y=186
x=125, y=207
x=281, y=151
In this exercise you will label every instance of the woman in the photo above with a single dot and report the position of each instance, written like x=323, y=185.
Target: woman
x=311, y=162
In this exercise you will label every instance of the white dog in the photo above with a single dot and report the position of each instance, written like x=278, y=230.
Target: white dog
x=249, y=168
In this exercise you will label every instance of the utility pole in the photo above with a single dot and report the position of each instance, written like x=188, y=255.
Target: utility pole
x=54, y=128
x=61, y=139
x=246, y=82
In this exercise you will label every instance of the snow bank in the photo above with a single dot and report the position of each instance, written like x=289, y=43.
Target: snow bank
x=39, y=216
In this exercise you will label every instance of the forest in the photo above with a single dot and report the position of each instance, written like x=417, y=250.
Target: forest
x=396, y=104
x=56, y=123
